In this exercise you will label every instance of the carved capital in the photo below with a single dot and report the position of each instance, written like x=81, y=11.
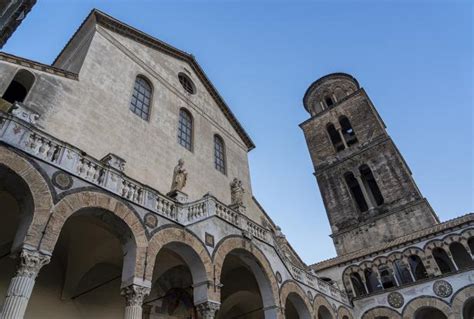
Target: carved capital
x=208, y=309
x=134, y=294
x=30, y=263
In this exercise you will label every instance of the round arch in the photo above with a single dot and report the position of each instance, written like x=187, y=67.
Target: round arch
x=134, y=259
x=459, y=300
x=32, y=229
x=290, y=290
x=319, y=302
x=191, y=250
x=422, y=302
x=261, y=268
x=343, y=311
x=381, y=312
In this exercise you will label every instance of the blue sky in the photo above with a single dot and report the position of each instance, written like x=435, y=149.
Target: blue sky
x=414, y=58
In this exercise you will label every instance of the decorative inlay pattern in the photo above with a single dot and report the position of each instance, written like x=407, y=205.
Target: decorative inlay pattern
x=209, y=240
x=278, y=277
x=62, y=180
x=395, y=299
x=442, y=288
x=151, y=220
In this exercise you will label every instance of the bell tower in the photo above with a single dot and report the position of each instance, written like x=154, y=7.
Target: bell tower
x=367, y=188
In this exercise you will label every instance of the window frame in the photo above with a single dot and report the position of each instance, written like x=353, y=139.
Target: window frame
x=28, y=93
x=219, y=138
x=146, y=79
x=191, y=134
x=188, y=79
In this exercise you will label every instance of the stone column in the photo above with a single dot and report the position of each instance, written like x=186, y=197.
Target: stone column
x=21, y=286
x=134, y=296
x=207, y=309
x=368, y=199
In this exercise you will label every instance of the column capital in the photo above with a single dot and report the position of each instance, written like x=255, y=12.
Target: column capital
x=134, y=294
x=208, y=309
x=31, y=262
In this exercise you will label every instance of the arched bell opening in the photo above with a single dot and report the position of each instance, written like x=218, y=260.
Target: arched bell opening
x=246, y=290
x=93, y=256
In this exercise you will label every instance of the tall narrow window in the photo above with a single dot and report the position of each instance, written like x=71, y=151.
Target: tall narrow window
x=442, y=259
x=141, y=98
x=328, y=101
x=19, y=87
x=358, y=285
x=460, y=255
x=335, y=138
x=356, y=191
x=219, y=154
x=185, y=129
x=417, y=267
x=386, y=277
x=372, y=281
x=371, y=185
x=347, y=131
x=402, y=272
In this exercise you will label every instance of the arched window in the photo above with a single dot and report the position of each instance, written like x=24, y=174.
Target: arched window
x=371, y=281
x=460, y=255
x=329, y=101
x=19, y=87
x=347, y=131
x=185, y=129
x=402, y=272
x=324, y=313
x=429, y=313
x=386, y=278
x=219, y=154
x=356, y=191
x=335, y=138
x=370, y=185
x=358, y=285
x=470, y=243
x=141, y=98
x=417, y=267
x=442, y=259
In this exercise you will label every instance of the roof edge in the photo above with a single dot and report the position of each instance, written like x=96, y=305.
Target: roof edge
x=118, y=26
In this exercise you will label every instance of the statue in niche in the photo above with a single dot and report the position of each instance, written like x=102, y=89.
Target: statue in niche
x=236, y=192
x=179, y=177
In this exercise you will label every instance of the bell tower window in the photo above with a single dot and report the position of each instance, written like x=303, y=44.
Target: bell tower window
x=329, y=101
x=347, y=131
x=371, y=185
x=19, y=87
x=336, y=139
x=356, y=191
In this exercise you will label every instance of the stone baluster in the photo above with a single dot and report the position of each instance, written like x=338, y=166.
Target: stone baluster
x=207, y=309
x=134, y=296
x=21, y=286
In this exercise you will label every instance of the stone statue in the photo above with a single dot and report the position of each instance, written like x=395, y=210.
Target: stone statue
x=236, y=192
x=179, y=177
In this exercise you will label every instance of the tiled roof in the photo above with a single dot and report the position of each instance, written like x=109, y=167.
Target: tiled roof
x=417, y=236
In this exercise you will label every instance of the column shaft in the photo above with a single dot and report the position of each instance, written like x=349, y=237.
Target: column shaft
x=21, y=286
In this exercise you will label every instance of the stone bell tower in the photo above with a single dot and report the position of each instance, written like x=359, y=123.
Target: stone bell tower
x=366, y=185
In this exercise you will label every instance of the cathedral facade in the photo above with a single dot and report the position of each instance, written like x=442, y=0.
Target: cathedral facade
x=125, y=192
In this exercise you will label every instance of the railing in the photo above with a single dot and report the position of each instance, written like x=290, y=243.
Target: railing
x=27, y=138
x=24, y=136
